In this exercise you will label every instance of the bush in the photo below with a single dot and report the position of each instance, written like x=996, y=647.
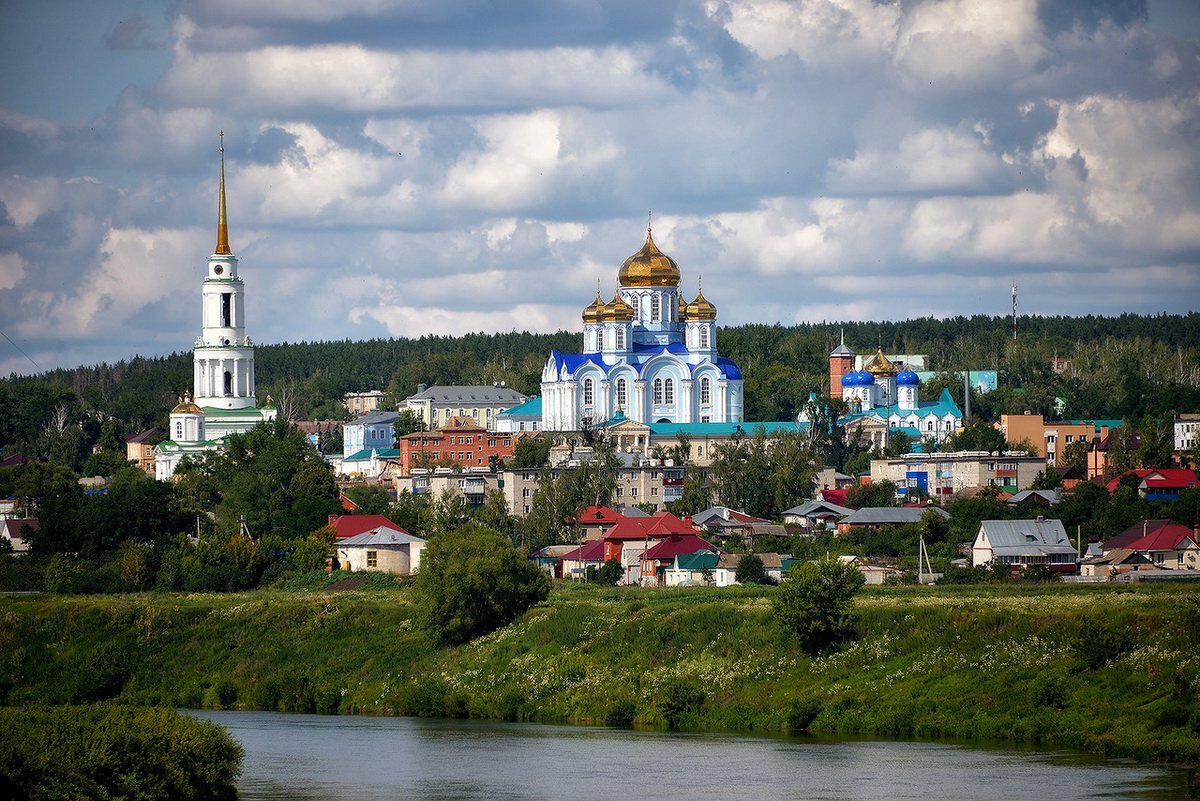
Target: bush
x=1050, y=691
x=107, y=751
x=802, y=714
x=1095, y=645
x=610, y=573
x=813, y=602
x=1039, y=574
x=621, y=714
x=472, y=581
x=679, y=698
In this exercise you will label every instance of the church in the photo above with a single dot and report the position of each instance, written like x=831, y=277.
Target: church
x=884, y=397
x=647, y=354
x=223, y=362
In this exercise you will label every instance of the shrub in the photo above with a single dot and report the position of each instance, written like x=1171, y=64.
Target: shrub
x=1039, y=574
x=610, y=572
x=1095, y=645
x=621, y=714
x=679, y=698
x=105, y=671
x=108, y=751
x=802, y=714
x=813, y=602
x=472, y=581
x=1050, y=690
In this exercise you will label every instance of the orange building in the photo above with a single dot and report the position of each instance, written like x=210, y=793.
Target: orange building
x=1050, y=439
x=460, y=441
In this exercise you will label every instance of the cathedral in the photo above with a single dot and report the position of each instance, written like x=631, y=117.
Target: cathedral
x=223, y=363
x=647, y=353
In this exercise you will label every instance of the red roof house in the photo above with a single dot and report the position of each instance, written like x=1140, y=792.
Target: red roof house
x=1165, y=484
x=345, y=526
x=1172, y=546
x=1134, y=533
x=660, y=557
x=594, y=521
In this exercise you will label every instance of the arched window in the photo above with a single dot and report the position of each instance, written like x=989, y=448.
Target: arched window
x=669, y=391
x=930, y=425
x=228, y=383
x=622, y=392
x=655, y=309
x=704, y=337
x=589, y=391
x=658, y=390
x=620, y=339
x=705, y=390
x=178, y=429
x=637, y=307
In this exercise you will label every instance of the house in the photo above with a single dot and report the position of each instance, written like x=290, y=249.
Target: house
x=139, y=449
x=1159, y=485
x=725, y=573
x=318, y=431
x=1097, y=458
x=1170, y=547
x=346, y=526
x=593, y=522
x=1024, y=543
x=656, y=559
x=389, y=549
x=374, y=431
x=550, y=558
x=816, y=514
x=875, y=575
x=692, y=568
x=15, y=529
x=1187, y=432
x=525, y=416
x=1116, y=561
x=1069, y=477
x=371, y=463
x=365, y=402
x=878, y=517
x=575, y=562
x=1051, y=438
x=461, y=441
x=1034, y=498
x=630, y=537
x=473, y=484
x=722, y=521
x=436, y=405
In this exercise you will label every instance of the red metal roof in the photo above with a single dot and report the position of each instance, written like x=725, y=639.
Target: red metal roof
x=1134, y=533
x=591, y=552
x=837, y=496
x=663, y=524
x=1166, y=478
x=600, y=515
x=353, y=525
x=1167, y=538
x=677, y=544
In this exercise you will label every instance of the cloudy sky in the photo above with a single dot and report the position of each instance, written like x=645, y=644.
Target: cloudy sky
x=401, y=167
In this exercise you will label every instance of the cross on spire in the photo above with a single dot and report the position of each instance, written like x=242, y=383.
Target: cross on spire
x=222, y=220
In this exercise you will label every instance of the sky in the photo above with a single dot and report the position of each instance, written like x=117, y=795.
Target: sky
x=410, y=167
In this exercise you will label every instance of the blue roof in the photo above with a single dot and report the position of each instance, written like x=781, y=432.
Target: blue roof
x=720, y=429
x=907, y=378
x=530, y=408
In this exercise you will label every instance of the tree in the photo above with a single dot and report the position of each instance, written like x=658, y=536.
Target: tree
x=1048, y=479
x=695, y=497
x=813, y=602
x=409, y=422
x=977, y=436
x=472, y=581
x=609, y=573
x=899, y=444
x=531, y=452
x=1075, y=455
x=877, y=493
x=371, y=499
x=750, y=570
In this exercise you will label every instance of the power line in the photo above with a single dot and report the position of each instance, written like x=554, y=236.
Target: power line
x=22, y=350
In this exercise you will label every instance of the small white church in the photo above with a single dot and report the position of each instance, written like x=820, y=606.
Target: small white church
x=223, y=363
x=647, y=353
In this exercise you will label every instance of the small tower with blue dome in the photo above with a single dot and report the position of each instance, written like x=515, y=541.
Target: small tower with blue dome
x=907, y=384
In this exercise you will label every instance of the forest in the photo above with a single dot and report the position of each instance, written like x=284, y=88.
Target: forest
x=1128, y=366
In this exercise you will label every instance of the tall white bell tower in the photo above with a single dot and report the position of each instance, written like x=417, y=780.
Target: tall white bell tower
x=224, y=357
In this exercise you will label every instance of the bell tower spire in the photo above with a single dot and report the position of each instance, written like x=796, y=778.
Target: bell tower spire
x=222, y=219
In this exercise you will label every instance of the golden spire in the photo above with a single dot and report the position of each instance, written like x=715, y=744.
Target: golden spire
x=222, y=221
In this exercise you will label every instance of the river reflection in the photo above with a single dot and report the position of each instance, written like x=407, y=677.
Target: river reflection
x=314, y=758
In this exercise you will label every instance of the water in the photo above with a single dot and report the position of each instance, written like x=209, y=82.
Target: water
x=315, y=758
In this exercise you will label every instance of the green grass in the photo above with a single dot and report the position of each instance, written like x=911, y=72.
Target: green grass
x=986, y=662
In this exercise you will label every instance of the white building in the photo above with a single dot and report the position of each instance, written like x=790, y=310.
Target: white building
x=437, y=404
x=1024, y=543
x=223, y=363
x=1187, y=432
x=646, y=353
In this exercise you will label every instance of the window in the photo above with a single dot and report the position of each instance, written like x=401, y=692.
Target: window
x=700, y=448
x=669, y=390
x=178, y=429
x=655, y=309
x=372, y=558
x=633, y=492
x=706, y=390
x=620, y=491
x=637, y=307
x=226, y=309
x=620, y=335
x=622, y=392
x=658, y=390
x=228, y=383
x=704, y=337
x=930, y=426
x=589, y=391
x=525, y=492
x=654, y=490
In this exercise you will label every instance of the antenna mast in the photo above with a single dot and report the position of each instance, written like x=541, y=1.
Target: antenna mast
x=1014, y=298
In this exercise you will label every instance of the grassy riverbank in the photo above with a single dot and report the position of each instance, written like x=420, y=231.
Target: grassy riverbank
x=1113, y=670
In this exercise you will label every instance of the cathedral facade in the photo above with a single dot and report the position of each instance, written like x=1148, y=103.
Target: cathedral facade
x=223, y=362
x=647, y=353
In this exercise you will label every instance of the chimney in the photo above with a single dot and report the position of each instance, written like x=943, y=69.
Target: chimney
x=333, y=519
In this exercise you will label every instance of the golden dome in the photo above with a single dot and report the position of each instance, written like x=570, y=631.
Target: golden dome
x=682, y=309
x=595, y=310
x=880, y=365
x=617, y=310
x=701, y=309
x=187, y=407
x=649, y=267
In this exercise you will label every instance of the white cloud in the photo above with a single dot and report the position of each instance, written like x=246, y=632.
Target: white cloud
x=819, y=32
x=414, y=321
x=929, y=160
x=27, y=199
x=12, y=270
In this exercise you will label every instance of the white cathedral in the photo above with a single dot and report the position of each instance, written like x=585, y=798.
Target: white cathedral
x=223, y=363
x=646, y=353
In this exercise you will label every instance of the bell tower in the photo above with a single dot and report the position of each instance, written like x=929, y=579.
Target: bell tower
x=223, y=371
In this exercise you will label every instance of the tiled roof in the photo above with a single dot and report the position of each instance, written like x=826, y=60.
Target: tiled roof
x=1025, y=537
x=138, y=439
x=817, y=507
x=365, y=454
x=1135, y=533
x=375, y=418
x=591, y=552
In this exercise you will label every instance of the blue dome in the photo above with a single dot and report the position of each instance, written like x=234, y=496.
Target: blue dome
x=907, y=378
x=858, y=378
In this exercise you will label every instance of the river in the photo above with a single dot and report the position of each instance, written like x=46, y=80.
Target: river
x=315, y=758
